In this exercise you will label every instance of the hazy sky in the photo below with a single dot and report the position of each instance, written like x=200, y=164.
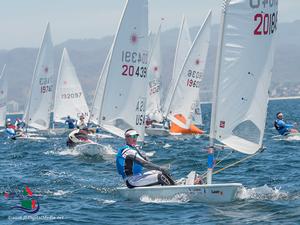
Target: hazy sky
x=22, y=22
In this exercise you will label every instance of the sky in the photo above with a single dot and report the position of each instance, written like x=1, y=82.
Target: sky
x=22, y=22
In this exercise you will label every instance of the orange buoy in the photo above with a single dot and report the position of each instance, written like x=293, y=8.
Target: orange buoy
x=174, y=128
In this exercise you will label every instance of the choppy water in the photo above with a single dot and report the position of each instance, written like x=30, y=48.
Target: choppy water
x=77, y=189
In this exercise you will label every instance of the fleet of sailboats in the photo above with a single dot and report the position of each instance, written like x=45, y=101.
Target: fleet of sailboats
x=239, y=113
x=128, y=88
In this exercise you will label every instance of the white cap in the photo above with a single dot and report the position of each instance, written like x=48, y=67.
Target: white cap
x=131, y=132
x=8, y=120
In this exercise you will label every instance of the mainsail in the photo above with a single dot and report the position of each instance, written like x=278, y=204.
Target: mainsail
x=153, y=109
x=3, y=96
x=184, y=43
x=124, y=99
x=243, y=73
x=69, y=97
x=38, y=109
x=98, y=96
x=186, y=94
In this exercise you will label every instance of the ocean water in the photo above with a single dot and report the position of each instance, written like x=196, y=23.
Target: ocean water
x=74, y=188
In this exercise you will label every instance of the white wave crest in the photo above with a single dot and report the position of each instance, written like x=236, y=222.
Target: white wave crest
x=167, y=145
x=179, y=198
x=262, y=193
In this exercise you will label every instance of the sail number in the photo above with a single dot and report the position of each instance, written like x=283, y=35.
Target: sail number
x=71, y=95
x=154, y=86
x=194, y=78
x=267, y=23
x=257, y=3
x=45, y=85
x=140, y=112
x=139, y=71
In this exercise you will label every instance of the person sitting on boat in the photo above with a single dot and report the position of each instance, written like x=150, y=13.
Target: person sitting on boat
x=78, y=136
x=130, y=162
x=282, y=127
x=20, y=124
x=71, y=122
x=81, y=124
x=10, y=129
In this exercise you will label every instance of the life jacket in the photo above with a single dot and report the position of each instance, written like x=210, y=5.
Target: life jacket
x=125, y=166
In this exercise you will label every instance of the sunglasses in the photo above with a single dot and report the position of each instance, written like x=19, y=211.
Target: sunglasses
x=133, y=136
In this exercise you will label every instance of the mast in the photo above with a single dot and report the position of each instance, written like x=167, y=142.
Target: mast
x=210, y=159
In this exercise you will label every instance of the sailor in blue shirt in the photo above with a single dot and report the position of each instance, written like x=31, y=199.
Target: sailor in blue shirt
x=282, y=127
x=70, y=122
x=130, y=162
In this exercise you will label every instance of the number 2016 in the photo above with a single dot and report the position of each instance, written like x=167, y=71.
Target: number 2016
x=267, y=23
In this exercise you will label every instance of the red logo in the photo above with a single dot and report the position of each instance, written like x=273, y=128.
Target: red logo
x=134, y=38
x=155, y=68
x=222, y=124
x=65, y=82
x=197, y=61
x=46, y=69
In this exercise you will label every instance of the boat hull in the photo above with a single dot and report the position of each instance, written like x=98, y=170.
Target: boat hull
x=214, y=193
x=157, y=131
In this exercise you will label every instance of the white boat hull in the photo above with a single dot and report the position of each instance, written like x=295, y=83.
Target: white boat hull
x=157, y=131
x=93, y=149
x=214, y=193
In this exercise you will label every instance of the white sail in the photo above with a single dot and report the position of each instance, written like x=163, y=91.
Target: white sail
x=124, y=100
x=38, y=109
x=69, y=97
x=184, y=43
x=197, y=113
x=3, y=96
x=186, y=95
x=244, y=68
x=153, y=109
x=98, y=96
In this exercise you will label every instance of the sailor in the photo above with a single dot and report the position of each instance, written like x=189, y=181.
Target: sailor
x=10, y=129
x=70, y=122
x=76, y=137
x=130, y=162
x=81, y=124
x=282, y=127
x=20, y=124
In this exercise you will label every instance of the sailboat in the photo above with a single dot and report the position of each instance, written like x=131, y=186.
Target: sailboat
x=185, y=96
x=69, y=97
x=240, y=96
x=154, y=116
x=98, y=96
x=124, y=96
x=3, y=96
x=37, y=113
